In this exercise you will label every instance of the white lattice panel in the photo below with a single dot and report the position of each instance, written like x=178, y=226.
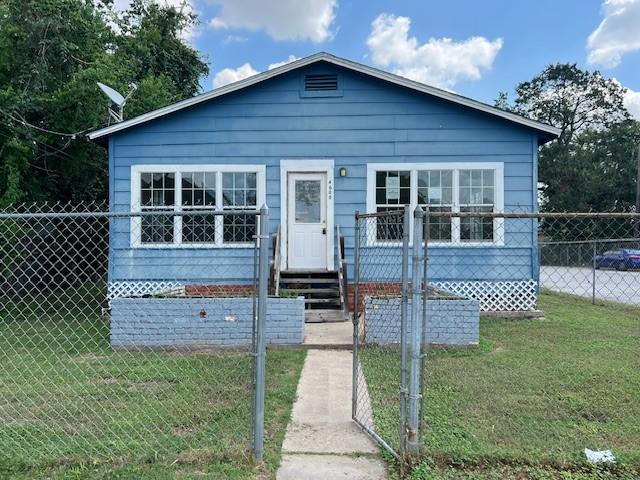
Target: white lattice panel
x=138, y=289
x=507, y=296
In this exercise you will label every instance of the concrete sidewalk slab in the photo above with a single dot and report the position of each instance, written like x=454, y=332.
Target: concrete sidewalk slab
x=321, y=436
x=338, y=334
x=329, y=467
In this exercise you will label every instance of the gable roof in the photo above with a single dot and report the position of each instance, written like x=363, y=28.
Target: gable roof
x=548, y=132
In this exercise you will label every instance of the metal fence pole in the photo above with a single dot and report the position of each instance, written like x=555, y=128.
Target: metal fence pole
x=413, y=429
x=263, y=273
x=593, y=273
x=424, y=319
x=356, y=320
x=406, y=229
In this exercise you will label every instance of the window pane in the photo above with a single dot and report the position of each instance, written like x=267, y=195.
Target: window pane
x=198, y=228
x=210, y=180
x=210, y=198
x=227, y=180
x=187, y=180
x=239, y=180
x=251, y=180
x=487, y=195
x=145, y=197
x=239, y=228
x=476, y=229
x=488, y=178
x=389, y=227
x=252, y=200
x=476, y=178
x=438, y=229
x=465, y=178
x=157, y=180
x=169, y=180
x=307, y=201
x=157, y=229
x=145, y=180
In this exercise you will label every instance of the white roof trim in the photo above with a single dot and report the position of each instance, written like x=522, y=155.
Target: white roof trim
x=260, y=77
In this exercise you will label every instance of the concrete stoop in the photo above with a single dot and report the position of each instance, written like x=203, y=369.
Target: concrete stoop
x=322, y=441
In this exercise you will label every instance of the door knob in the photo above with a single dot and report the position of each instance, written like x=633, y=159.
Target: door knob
x=324, y=231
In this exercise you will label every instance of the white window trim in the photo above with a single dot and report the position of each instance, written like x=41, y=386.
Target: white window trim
x=498, y=223
x=136, y=224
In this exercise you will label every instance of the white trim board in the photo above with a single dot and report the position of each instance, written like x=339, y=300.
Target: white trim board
x=550, y=131
x=498, y=224
x=135, y=224
x=306, y=166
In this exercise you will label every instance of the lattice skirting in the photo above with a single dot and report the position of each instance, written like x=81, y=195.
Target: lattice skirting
x=138, y=289
x=511, y=296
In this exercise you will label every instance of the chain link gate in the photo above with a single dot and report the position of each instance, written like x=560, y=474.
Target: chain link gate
x=111, y=351
x=554, y=373
x=389, y=319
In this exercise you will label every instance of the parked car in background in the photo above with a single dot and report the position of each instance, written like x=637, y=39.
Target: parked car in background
x=622, y=259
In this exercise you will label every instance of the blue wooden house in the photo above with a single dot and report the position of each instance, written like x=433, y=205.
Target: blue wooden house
x=317, y=140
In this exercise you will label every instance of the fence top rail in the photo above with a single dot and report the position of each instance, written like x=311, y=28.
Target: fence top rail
x=390, y=213
x=590, y=241
x=540, y=215
x=25, y=216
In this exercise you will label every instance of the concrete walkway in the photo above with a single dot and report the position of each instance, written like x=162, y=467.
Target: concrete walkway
x=336, y=335
x=322, y=442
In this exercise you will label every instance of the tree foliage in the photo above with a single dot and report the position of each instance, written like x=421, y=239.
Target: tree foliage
x=52, y=53
x=591, y=166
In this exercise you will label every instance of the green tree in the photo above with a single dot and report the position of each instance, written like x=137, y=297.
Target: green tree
x=52, y=53
x=596, y=138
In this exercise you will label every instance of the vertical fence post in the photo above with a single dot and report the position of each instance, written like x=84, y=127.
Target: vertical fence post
x=593, y=272
x=413, y=430
x=406, y=229
x=263, y=278
x=356, y=321
x=424, y=319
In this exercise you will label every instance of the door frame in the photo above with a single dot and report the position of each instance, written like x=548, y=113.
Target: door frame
x=305, y=165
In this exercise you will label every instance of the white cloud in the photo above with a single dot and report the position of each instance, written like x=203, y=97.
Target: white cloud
x=632, y=102
x=617, y=34
x=235, y=39
x=230, y=75
x=282, y=20
x=290, y=58
x=440, y=61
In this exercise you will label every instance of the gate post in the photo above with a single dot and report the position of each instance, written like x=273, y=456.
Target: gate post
x=415, y=392
x=356, y=322
x=260, y=353
x=404, y=295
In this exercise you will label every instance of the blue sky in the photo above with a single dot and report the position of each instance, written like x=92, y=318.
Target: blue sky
x=476, y=48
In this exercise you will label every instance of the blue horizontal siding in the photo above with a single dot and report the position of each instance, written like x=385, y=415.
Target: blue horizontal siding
x=372, y=122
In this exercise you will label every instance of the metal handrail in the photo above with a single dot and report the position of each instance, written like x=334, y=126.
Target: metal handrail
x=276, y=264
x=342, y=272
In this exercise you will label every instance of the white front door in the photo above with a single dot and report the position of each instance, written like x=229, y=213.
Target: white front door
x=307, y=221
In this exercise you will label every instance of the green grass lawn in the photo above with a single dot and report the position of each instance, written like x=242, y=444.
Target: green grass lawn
x=530, y=398
x=72, y=408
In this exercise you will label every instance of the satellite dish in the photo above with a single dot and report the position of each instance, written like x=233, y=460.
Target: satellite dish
x=117, y=114
x=113, y=95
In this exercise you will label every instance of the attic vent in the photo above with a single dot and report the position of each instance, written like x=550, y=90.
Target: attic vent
x=321, y=82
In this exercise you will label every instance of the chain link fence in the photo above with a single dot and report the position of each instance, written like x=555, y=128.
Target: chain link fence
x=129, y=334
x=530, y=337
x=388, y=306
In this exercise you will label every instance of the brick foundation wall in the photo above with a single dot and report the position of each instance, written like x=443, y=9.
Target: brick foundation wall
x=449, y=322
x=372, y=289
x=176, y=322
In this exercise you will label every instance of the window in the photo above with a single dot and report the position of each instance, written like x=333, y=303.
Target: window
x=440, y=187
x=435, y=191
x=157, y=195
x=239, y=193
x=195, y=191
x=477, y=194
x=393, y=191
x=198, y=193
